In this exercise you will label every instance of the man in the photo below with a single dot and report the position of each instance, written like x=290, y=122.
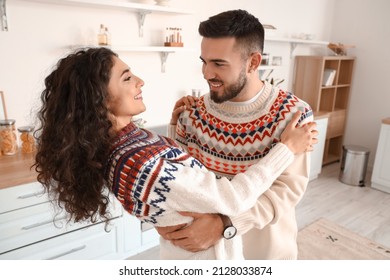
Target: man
x=233, y=126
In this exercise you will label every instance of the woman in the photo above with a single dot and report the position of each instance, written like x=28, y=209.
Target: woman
x=89, y=144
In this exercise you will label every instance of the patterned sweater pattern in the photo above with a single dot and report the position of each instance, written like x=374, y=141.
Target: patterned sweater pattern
x=153, y=178
x=230, y=137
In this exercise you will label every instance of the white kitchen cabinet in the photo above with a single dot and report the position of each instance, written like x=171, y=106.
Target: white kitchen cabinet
x=28, y=223
x=381, y=176
x=22, y=196
x=30, y=227
x=136, y=237
x=318, y=152
x=92, y=242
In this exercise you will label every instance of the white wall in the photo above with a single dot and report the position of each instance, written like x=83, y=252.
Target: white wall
x=366, y=24
x=39, y=34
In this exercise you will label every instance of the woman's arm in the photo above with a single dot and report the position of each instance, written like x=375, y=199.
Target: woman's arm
x=182, y=186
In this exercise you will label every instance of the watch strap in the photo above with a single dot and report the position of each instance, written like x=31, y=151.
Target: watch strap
x=226, y=221
x=229, y=231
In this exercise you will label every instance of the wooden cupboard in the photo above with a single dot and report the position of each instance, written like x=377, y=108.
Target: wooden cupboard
x=331, y=96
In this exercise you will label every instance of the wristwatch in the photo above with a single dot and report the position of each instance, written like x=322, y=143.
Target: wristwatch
x=229, y=231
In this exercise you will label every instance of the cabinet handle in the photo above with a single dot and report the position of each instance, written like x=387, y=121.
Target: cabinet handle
x=42, y=223
x=24, y=196
x=82, y=247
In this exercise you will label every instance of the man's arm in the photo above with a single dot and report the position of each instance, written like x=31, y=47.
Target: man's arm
x=284, y=194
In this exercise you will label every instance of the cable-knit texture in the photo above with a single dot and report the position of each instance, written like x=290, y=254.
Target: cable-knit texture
x=154, y=179
x=230, y=137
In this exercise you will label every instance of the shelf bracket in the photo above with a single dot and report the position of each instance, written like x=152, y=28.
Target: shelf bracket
x=3, y=16
x=141, y=21
x=292, y=48
x=164, y=57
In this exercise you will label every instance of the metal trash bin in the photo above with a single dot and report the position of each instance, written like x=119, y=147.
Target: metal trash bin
x=354, y=165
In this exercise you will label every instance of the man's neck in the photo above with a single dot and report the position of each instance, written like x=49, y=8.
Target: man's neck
x=249, y=92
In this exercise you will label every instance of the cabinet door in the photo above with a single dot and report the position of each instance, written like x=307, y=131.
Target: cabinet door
x=21, y=196
x=380, y=175
x=132, y=234
x=318, y=152
x=32, y=224
x=137, y=238
x=89, y=243
x=336, y=123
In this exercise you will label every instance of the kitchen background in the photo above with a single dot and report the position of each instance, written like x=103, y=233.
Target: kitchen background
x=40, y=33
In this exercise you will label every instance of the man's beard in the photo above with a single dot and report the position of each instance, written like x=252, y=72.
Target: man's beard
x=231, y=91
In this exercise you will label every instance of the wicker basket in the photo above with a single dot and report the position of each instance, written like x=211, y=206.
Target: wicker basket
x=339, y=49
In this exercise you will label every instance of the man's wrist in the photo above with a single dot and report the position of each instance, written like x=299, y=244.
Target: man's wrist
x=229, y=231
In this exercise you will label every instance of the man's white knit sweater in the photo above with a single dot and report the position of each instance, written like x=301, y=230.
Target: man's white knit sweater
x=230, y=137
x=154, y=179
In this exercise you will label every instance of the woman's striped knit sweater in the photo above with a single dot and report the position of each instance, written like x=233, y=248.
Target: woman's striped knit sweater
x=154, y=179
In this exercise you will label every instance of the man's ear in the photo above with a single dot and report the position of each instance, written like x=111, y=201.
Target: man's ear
x=255, y=61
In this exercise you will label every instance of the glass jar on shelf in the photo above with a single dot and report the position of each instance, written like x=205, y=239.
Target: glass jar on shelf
x=8, y=143
x=265, y=59
x=27, y=139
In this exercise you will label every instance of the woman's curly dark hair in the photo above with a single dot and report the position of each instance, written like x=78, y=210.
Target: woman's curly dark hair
x=75, y=132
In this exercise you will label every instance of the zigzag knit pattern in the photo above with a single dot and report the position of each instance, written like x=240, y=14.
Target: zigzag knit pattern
x=228, y=138
x=135, y=172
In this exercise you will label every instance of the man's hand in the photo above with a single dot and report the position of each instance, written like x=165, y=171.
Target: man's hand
x=204, y=231
x=183, y=103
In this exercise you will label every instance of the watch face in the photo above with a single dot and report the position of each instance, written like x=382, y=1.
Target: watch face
x=229, y=232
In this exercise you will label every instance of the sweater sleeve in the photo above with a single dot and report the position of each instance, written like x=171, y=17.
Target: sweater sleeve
x=280, y=198
x=171, y=131
x=284, y=194
x=182, y=130
x=167, y=185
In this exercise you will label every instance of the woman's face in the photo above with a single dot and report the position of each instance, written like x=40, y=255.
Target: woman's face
x=125, y=94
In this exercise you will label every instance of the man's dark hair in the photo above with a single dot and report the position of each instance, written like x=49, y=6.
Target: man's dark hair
x=244, y=27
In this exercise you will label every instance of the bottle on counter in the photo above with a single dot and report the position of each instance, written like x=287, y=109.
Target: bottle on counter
x=27, y=139
x=102, y=36
x=108, y=36
x=8, y=143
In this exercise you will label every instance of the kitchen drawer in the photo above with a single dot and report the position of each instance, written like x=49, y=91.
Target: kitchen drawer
x=21, y=196
x=89, y=243
x=336, y=124
x=32, y=224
